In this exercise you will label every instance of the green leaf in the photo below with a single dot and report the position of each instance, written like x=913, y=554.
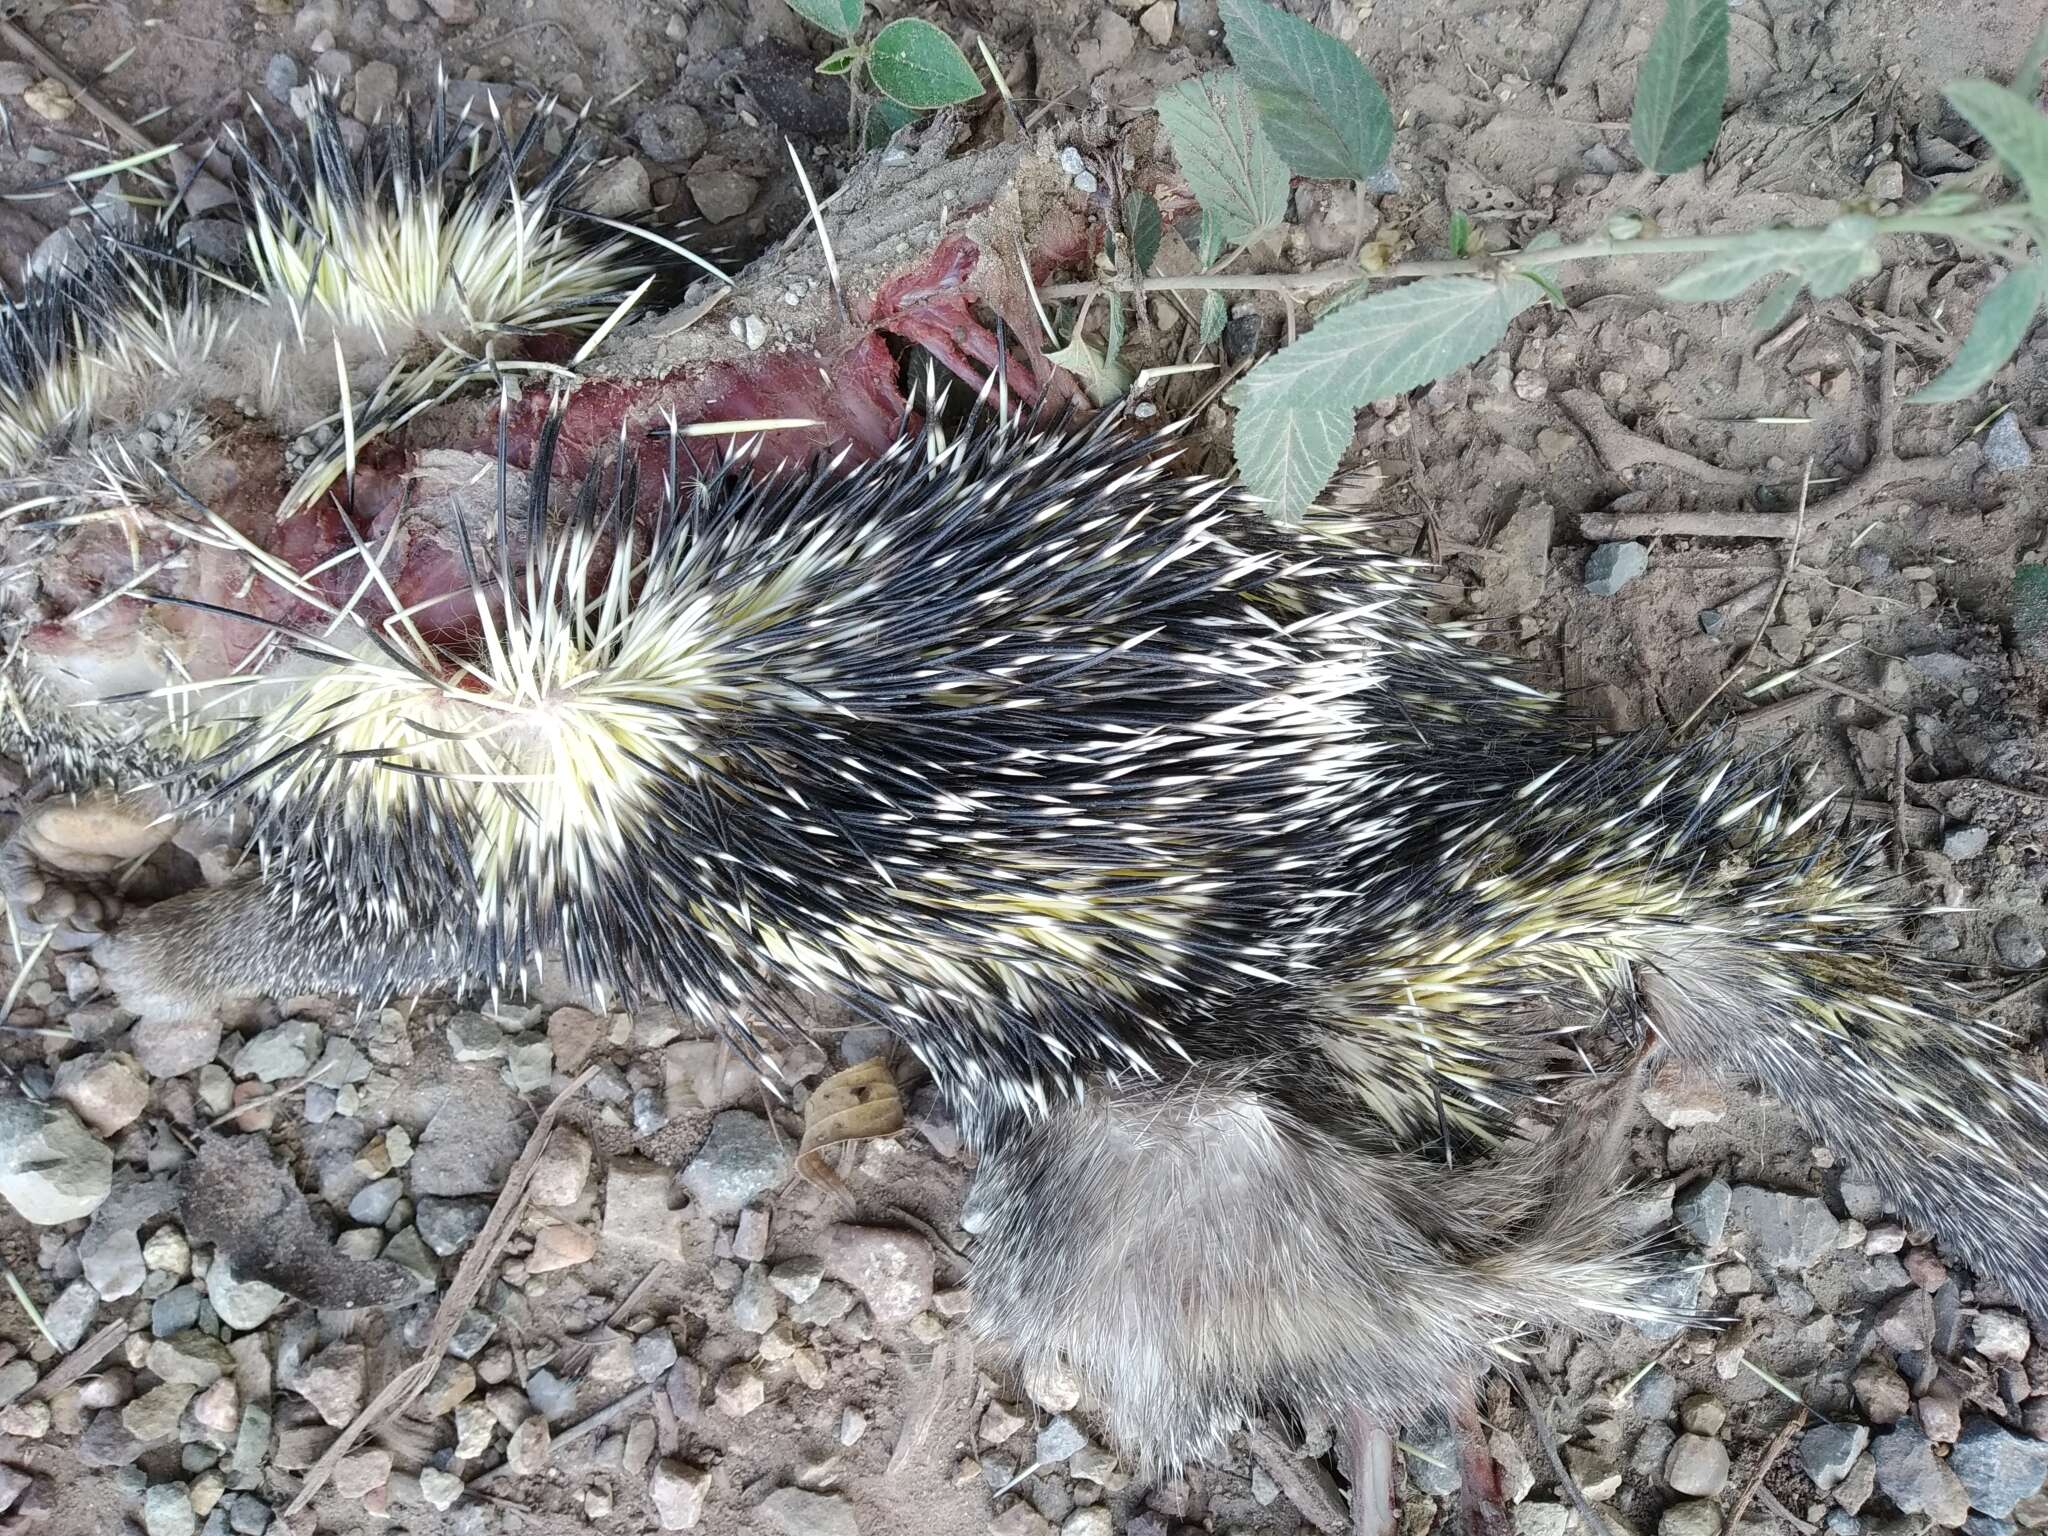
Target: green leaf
x=840, y=62
x=1215, y=315
x=2028, y=81
x=1776, y=306
x=1208, y=239
x=1105, y=380
x=1231, y=166
x=1144, y=228
x=914, y=63
x=1321, y=107
x=1113, y=344
x=1395, y=341
x=1287, y=453
x=839, y=17
x=2030, y=610
x=884, y=118
x=2014, y=129
x=1461, y=235
x=2003, y=320
x=1679, y=92
x=1827, y=260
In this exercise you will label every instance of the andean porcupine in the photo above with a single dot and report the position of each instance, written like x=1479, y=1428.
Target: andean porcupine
x=1239, y=909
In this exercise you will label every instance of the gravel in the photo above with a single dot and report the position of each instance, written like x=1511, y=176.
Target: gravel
x=52, y=1169
x=1996, y=1467
x=1915, y=1479
x=1697, y=1465
x=740, y=1159
x=1613, y=566
x=1828, y=1452
x=1790, y=1232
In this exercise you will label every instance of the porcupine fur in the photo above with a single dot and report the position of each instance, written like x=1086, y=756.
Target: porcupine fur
x=1245, y=915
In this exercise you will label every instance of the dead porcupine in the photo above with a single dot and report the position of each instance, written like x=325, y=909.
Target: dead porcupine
x=1227, y=897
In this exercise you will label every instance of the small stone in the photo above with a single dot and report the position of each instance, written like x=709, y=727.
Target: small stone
x=1703, y=1211
x=193, y=1358
x=356, y=1475
x=550, y=1395
x=892, y=1270
x=653, y=1354
x=167, y=1252
x=750, y=1240
x=1001, y=1421
x=671, y=132
x=1060, y=1438
x=112, y=1261
x=52, y=1169
x=574, y=1033
x=739, y=1391
x=1886, y=182
x=276, y=1054
x=167, y=1511
x=2018, y=944
x=1940, y=1413
x=108, y=1092
x=376, y=91
x=720, y=192
x=475, y=1037
x=1697, y=1465
x=474, y=1426
x=438, y=1488
x=248, y=1515
x=154, y=1415
x=1881, y=1392
x=561, y=1247
x=454, y=1380
x=241, y=1304
x=754, y=1306
x=620, y=189
x=449, y=1226
x=1916, y=1480
x=1703, y=1415
x=529, y=1065
x=1961, y=843
x=71, y=1313
x=1679, y=1097
x=333, y=1382
x=374, y=1202
x=1997, y=1468
x=1157, y=21
x=528, y=1449
x=16, y=1377
x=636, y=1209
x=1827, y=1453
x=1998, y=1335
x=25, y=1421
x=741, y=1159
x=49, y=100
x=795, y=1512
x=174, y=1045
x=13, y=1484
x=1613, y=566
x=799, y=1278
x=1906, y=1322
x=829, y=1303
x=2005, y=445
x=1791, y=1231
x=678, y=1491
x=1692, y=1517
x=1539, y=1517
x=217, y=1410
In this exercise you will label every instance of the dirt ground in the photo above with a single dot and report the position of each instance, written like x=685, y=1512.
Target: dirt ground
x=1925, y=711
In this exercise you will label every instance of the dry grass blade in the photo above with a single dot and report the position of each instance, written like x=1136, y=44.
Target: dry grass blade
x=455, y=1302
x=81, y=1361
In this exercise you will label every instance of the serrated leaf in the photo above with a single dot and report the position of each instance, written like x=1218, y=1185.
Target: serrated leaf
x=1680, y=88
x=1832, y=257
x=2003, y=319
x=1319, y=104
x=912, y=62
x=1388, y=344
x=839, y=17
x=840, y=62
x=1208, y=240
x=1215, y=315
x=1231, y=166
x=1105, y=380
x=1143, y=226
x=1287, y=452
x=2012, y=126
x=1776, y=306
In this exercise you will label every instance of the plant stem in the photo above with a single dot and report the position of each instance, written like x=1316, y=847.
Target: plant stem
x=1978, y=223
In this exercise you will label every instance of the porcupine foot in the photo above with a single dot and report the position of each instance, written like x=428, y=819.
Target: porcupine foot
x=58, y=866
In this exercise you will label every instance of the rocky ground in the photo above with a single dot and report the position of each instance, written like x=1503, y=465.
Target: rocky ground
x=673, y=1327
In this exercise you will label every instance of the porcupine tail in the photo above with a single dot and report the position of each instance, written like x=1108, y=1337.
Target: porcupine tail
x=1749, y=935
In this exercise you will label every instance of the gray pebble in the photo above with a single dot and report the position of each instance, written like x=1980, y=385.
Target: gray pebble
x=373, y=1203
x=653, y=1353
x=280, y=75
x=1791, y=1231
x=449, y=1226
x=552, y=1397
x=1997, y=1467
x=1703, y=1211
x=174, y=1311
x=2019, y=946
x=741, y=1159
x=1827, y=1453
x=1913, y=1478
x=1613, y=566
x=2005, y=445
x=1965, y=843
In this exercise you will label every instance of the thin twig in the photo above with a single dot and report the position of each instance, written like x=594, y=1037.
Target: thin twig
x=1770, y=608
x=475, y=1269
x=582, y=1429
x=1620, y=449
x=80, y=1362
x=1772, y=1452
